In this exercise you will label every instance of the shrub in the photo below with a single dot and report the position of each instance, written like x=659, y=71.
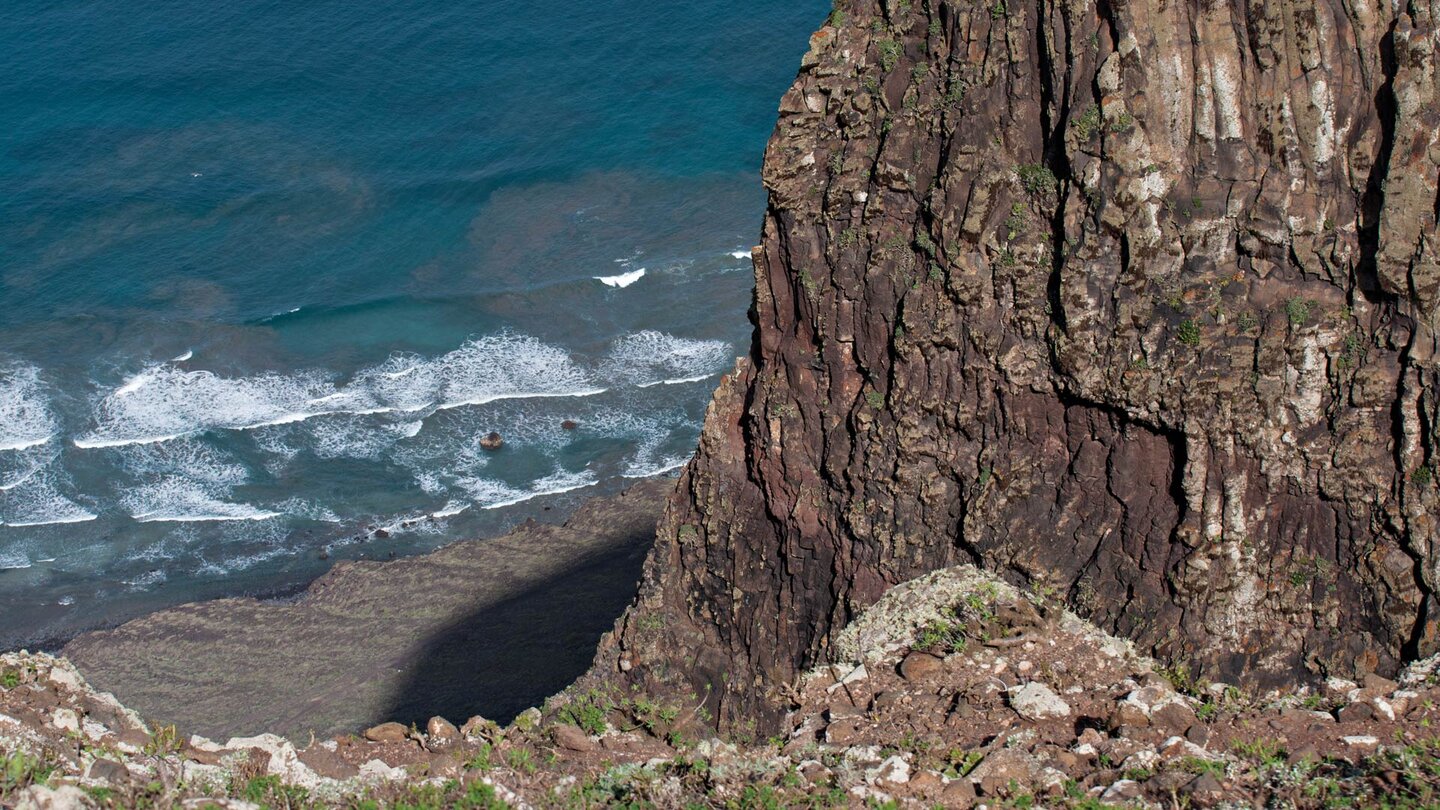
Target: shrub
x=889, y=54
x=1188, y=332
x=1036, y=178
x=1298, y=311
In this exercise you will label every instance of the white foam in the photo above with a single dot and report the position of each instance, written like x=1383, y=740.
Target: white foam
x=649, y=358
x=490, y=494
x=186, y=355
x=623, y=280
x=739, y=254
x=678, y=381
x=164, y=403
x=25, y=417
x=451, y=509
x=665, y=466
x=147, y=580
x=176, y=499
x=38, y=501
x=15, y=560
x=79, y=516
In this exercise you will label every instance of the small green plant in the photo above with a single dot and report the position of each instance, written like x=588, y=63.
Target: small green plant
x=890, y=51
x=9, y=678
x=19, y=770
x=955, y=94
x=1264, y=751
x=165, y=740
x=837, y=18
x=1122, y=122
x=481, y=760
x=588, y=712
x=1421, y=475
x=1181, y=678
x=875, y=399
x=962, y=762
x=941, y=637
x=1087, y=123
x=1298, y=311
x=1188, y=333
x=480, y=796
x=519, y=759
x=848, y=237
x=1015, y=223
x=998, y=10
x=1245, y=321
x=1199, y=765
x=1036, y=178
x=270, y=791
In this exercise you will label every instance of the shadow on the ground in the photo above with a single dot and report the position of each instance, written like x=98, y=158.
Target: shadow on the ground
x=509, y=656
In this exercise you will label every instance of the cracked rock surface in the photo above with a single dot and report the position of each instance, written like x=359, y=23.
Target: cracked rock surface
x=1133, y=302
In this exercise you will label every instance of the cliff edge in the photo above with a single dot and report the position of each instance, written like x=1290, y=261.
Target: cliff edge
x=1134, y=303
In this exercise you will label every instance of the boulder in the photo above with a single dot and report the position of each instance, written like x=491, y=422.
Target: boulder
x=1035, y=701
x=387, y=733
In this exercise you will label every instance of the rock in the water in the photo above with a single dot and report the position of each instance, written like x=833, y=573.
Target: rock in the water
x=387, y=732
x=1036, y=701
x=569, y=424
x=492, y=441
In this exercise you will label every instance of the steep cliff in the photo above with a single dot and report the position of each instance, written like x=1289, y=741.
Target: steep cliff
x=1134, y=303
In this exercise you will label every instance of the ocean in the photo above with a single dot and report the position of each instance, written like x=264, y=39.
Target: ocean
x=271, y=271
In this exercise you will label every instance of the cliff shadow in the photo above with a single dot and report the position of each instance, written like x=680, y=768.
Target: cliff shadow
x=511, y=655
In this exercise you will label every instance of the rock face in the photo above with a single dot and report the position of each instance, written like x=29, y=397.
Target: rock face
x=1134, y=303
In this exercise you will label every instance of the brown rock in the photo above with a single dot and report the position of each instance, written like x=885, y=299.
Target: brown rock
x=492, y=441
x=925, y=781
x=571, y=737
x=1377, y=685
x=108, y=770
x=569, y=424
x=387, y=733
x=1128, y=714
x=919, y=665
x=843, y=732
x=1198, y=734
x=1173, y=717
x=441, y=730
x=959, y=794
x=1356, y=713
x=327, y=763
x=478, y=726
x=1204, y=789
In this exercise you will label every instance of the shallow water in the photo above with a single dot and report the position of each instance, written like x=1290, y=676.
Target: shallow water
x=268, y=272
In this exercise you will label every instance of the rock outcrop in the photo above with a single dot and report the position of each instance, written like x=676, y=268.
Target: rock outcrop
x=1134, y=303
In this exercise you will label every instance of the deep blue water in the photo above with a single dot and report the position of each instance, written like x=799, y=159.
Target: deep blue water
x=270, y=270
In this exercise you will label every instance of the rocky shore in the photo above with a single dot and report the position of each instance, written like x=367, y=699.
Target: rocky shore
x=480, y=627
x=954, y=690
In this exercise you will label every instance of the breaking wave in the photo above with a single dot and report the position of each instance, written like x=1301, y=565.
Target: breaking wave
x=25, y=417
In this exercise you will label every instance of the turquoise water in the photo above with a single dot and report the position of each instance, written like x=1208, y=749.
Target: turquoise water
x=269, y=270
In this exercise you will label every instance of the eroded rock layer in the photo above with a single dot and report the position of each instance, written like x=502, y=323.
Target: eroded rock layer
x=1132, y=302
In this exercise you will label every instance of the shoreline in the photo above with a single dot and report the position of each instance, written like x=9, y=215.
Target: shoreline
x=486, y=626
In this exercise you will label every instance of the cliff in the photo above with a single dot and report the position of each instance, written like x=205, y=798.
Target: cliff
x=1134, y=303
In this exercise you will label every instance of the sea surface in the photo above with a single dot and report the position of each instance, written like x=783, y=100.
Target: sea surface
x=269, y=271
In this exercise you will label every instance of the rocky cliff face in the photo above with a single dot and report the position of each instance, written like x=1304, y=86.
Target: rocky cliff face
x=1134, y=303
